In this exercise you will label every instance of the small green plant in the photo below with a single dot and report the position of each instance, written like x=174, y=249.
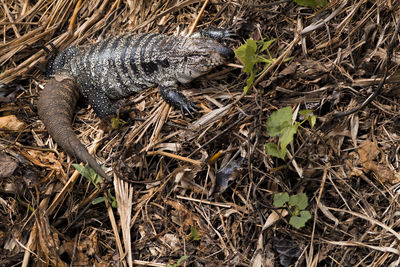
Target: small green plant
x=177, y=264
x=110, y=198
x=312, y=3
x=89, y=174
x=250, y=54
x=194, y=234
x=280, y=124
x=95, y=178
x=296, y=205
x=116, y=122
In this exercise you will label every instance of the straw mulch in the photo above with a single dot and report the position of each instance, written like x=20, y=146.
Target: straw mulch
x=182, y=199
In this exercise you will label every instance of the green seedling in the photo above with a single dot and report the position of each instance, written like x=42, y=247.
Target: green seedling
x=296, y=204
x=116, y=122
x=280, y=124
x=194, y=234
x=110, y=198
x=251, y=53
x=95, y=178
x=89, y=174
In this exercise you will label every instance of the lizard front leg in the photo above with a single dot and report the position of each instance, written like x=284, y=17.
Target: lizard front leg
x=172, y=96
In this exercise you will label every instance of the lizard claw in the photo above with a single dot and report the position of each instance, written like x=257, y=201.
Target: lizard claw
x=228, y=35
x=189, y=107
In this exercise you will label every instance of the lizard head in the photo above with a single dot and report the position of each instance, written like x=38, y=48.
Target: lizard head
x=199, y=56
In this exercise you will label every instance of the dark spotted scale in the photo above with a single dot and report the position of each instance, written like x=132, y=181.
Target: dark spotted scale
x=118, y=67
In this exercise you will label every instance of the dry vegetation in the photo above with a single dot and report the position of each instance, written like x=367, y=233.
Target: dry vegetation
x=347, y=166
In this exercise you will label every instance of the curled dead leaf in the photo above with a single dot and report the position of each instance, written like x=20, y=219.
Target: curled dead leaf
x=11, y=123
x=228, y=174
x=368, y=152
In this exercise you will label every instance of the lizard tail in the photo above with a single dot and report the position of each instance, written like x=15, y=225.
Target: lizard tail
x=56, y=105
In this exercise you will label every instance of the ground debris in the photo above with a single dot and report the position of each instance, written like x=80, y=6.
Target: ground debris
x=328, y=60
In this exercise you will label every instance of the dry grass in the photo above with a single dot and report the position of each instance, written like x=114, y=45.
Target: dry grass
x=348, y=167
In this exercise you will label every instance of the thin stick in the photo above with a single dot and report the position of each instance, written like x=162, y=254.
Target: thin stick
x=163, y=153
x=279, y=60
x=198, y=17
x=74, y=16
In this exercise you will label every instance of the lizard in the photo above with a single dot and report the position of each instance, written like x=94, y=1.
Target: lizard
x=111, y=70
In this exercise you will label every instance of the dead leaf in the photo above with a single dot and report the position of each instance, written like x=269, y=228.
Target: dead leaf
x=368, y=152
x=228, y=174
x=328, y=213
x=184, y=177
x=183, y=216
x=171, y=240
x=11, y=123
x=7, y=165
x=387, y=175
x=43, y=159
x=141, y=105
x=289, y=70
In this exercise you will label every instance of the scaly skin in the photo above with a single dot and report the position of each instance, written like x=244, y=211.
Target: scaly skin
x=56, y=104
x=117, y=68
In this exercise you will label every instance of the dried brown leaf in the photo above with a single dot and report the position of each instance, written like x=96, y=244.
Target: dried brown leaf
x=11, y=122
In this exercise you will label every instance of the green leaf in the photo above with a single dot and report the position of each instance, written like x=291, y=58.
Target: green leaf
x=287, y=135
x=116, y=122
x=273, y=150
x=280, y=123
x=81, y=169
x=114, y=204
x=305, y=214
x=279, y=120
x=249, y=82
x=181, y=259
x=246, y=54
x=98, y=200
x=305, y=112
x=264, y=60
x=194, y=234
x=299, y=200
x=300, y=221
x=111, y=199
x=267, y=44
x=312, y=120
x=249, y=56
x=280, y=199
x=88, y=173
x=312, y=3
